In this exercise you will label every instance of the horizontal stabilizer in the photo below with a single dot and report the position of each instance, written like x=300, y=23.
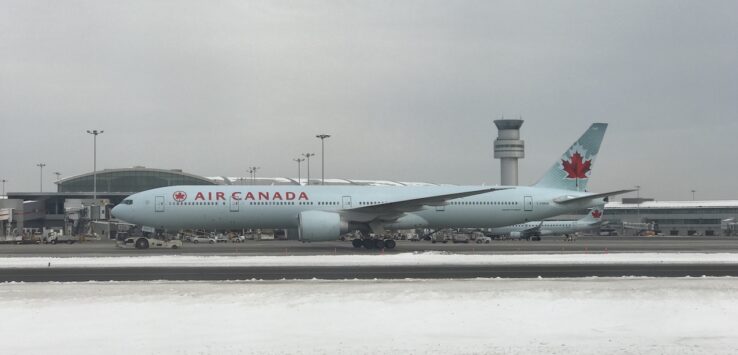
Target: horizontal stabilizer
x=571, y=199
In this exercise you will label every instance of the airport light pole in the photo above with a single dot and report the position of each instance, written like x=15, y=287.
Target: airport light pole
x=299, y=164
x=4, y=181
x=322, y=156
x=94, y=132
x=693, y=191
x=638, y=198
x=41, y=177
x=253, y=170
x=307, y=157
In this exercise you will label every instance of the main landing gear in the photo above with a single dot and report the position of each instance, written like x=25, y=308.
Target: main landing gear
x=374, y=243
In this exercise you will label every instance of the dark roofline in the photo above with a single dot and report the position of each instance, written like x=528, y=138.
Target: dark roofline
x=113, y=171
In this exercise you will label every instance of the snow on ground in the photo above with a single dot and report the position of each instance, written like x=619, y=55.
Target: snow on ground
x=404, y=259
x=480, y=316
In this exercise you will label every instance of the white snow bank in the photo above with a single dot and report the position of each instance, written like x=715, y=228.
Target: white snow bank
x=583, y=316
x=406, y=259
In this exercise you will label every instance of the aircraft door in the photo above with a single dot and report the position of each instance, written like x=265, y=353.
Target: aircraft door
x=347, y=202
x=159, y=204
x=234, y=204
x=528, y=203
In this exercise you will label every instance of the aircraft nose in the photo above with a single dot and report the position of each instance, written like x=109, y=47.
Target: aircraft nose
x=124, y=210
x=121, y=211
x=114, y=211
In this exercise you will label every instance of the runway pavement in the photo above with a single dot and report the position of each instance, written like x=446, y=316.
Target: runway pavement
x=552, y=245
x=277, y=247
x=363, y=272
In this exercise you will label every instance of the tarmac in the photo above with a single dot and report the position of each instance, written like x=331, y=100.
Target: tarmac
x=549, y=245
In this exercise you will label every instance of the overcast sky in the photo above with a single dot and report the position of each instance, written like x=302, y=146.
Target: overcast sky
x=408, y=89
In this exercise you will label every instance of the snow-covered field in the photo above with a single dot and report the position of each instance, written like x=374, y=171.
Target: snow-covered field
x=484, y=316
x=405, y=259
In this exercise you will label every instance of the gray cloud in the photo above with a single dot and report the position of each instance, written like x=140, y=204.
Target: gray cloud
x=408, y=89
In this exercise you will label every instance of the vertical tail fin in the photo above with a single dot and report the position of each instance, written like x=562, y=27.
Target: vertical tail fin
x=594, y=215
x=572, y=171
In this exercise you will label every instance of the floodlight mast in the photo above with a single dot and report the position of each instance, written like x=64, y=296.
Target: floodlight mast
x=299, y=164
x=94, y=132
x=252, y=170
x=322, y=156
x=307, y=157
x=41, y=177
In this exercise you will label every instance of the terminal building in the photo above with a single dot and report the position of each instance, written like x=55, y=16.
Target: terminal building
x=674, y=218
x=72, y=206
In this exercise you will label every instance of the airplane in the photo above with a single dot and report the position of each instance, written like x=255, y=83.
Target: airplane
x=324, y=213
x=535, y=230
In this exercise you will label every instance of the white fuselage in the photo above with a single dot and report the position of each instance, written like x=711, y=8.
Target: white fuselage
x=242, y=206
x=547, y=227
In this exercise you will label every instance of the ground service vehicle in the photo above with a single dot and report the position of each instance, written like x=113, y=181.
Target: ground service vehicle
x=484, y=240
x=203, y=239
x=146, y=243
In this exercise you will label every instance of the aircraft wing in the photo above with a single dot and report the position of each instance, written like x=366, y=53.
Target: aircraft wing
x=533, y=230
x=415, y=204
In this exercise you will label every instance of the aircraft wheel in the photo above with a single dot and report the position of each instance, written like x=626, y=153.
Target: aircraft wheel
x=368, y=243
x=390, y=244
x=356, y=243
x=195, y=241
x=379, y=244
x=53, y=242
x=142, y=244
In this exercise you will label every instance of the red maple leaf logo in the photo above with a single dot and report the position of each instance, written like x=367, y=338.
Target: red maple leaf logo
x=596, y=213
x=576, y=168
x=179, y=196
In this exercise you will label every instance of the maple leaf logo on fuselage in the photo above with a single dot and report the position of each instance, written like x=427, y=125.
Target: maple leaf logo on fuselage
x=179, y=196
x=576, y=167
x=596, y=213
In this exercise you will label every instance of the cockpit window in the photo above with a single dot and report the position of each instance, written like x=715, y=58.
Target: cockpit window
x=127, y=202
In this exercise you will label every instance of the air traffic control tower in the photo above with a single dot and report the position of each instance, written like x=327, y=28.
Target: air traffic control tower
x=509, y=148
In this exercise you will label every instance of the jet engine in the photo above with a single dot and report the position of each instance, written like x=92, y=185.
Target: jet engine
x=319, y=226
x=516, y=235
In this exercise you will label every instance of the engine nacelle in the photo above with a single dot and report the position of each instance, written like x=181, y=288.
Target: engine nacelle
x=516, y=235
x=319, y=226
